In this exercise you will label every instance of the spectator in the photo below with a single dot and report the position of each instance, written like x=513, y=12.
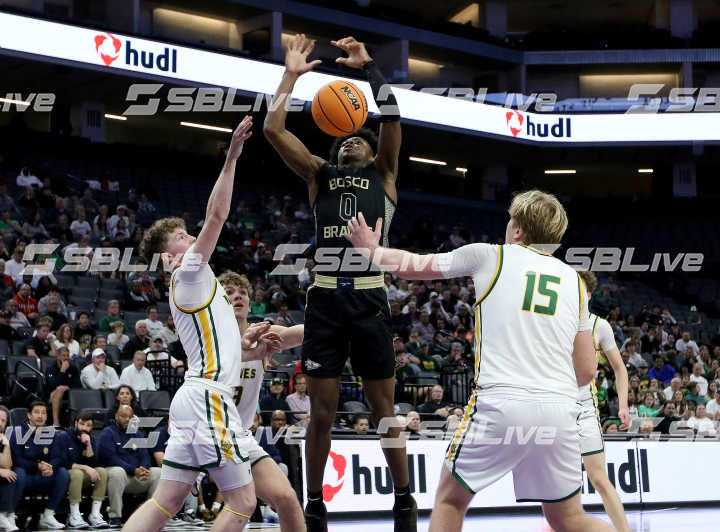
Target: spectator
x=693, y=394
x=268, y=447
x=686, y=342
x=453, y=420
x=697, y=376
x=413, y=422
x=128, y=467
x=117, y=337
x=15, y=266
x=75, y=451
x=88, y=202
x=26, y=303
x=80, y=226
x=299, y=401
x=61, y=230
x=275, y=401
x=168, y=333
x=157, y=351
x=713, y=405
x=427, y=362
x=701, y=422
x=32, y=469
x=43, y=343
x=136, y=375
x=17, y=318
x=136, y=299
x=646, y=407
x=258, y=304
x=7, y=333
x=43, y=302
x=362, y=424
x=126, y=396
x=635, y=359
x=113, y=314
x=64, y=338
x=672, y=388
x=100, y=228
x=139, y=342
x=668, y=418
x=83, y=332
x=154, y=325
x=463, y=318
x=399, y=322
x=7, y=203
x=284, y=318
x=424, y=327
x=59, y=378
x=456, y=355
x=435, y=405
x=661, y=371
x=10, y=228
x=10, y=489
x=404, y=365
x=98, y=375
x=33, y=228
x=120, y=214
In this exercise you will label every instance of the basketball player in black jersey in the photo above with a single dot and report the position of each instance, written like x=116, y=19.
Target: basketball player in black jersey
x=347, y=312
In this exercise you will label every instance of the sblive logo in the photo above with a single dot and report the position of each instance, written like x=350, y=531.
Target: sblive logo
x=108, y=48
x=626, y=474
x=541, y=127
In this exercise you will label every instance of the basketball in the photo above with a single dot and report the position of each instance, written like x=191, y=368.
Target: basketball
x=339, y=108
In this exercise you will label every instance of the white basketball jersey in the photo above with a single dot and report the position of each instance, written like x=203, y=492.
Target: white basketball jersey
x=603, y=340
x=209, y=335
x=248, y=392
x=526, y=323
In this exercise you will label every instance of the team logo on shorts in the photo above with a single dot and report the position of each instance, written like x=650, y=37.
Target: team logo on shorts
x=311, y=365
x=226, y=448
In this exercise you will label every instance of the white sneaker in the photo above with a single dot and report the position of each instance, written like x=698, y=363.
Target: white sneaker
x=4, y=523
x=269, y=515
x=97, y=521
x=50, y=523
x=76, y=521
x=12, y=527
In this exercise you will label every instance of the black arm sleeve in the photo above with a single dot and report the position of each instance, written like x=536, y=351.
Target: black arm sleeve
x=388, y=105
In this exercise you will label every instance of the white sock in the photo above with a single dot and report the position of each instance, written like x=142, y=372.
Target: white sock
x=96, y=507
x=201, y=508
x=3, y=514
x=216, y=506
x=74, y=508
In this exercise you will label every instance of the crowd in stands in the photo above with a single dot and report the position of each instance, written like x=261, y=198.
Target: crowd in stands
x=111, y=331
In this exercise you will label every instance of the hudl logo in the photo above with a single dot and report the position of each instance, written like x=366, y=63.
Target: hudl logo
x=540, y=127
x=108, y=48
x=625, y=475
x=364, y=478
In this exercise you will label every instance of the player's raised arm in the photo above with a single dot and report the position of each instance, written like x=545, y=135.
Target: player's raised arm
x=218, y=206
x=292, y=151
x=388, y=149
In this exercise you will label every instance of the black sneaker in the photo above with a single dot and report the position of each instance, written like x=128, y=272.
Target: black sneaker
x=115, y=522
x=316, y=517
x=406, y=517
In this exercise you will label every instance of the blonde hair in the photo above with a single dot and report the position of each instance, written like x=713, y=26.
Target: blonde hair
x=589, y=280
x=540, y=215
x=155, y=239
x=236, y=279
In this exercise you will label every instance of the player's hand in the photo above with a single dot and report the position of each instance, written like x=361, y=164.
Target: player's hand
x=268, y=343
x=240, y=135
x=297, y=53
x=357, y=54
x=624, y=416
x=362, y=236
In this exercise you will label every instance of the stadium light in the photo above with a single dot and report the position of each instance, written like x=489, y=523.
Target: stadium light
x=645, y=170
x=561, y=171
x=428, y=161
x=461, y=169
x=205, y=126
x=115, y=117
x=9, y=100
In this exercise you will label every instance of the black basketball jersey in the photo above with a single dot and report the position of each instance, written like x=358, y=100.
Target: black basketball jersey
x=342, y=193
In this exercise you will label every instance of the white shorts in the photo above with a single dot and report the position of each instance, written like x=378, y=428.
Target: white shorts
x=591, y=441
x=256, y=452
x=535, y=437
x=205, y=430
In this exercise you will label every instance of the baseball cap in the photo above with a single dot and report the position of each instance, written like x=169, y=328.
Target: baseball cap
x=247, y=243
x=693, y=309
x=277, y=380
x=97, y=352
x=121, y=206
x=157, y=337
x=261, y=245
x=433, y=294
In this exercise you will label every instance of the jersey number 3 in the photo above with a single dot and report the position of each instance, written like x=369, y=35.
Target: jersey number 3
x=542, y=289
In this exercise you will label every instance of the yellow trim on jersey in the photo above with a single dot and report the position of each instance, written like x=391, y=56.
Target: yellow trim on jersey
x=581, y=288
x=225, y=444
x=477, y=341
x=191, y=311
x=460, y=432
x=498, y=269
x=359, y=283
x=207, y=344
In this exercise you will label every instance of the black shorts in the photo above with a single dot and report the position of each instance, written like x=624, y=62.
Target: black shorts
x=344, y=322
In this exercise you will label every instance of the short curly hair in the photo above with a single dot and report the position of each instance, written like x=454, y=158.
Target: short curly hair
x=155, y=239
x=589, y=280
x=235, y=279
x=368, y=135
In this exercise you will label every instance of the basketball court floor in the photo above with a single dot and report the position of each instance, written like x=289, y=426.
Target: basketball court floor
x=670, y=519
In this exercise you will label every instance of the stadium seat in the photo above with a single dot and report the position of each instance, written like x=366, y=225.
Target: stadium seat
x=18, y=416
x=15, y=367
x=109, y=399
x=18, y=348
x=354, y=406
x=88, y=283
x=131, y=318
x=47, y=363
x=83, y=292
x=403, y=408
x=83, y=303
x=152, y=401
x=113, y=284
x=113, y=352
x=25, y=332
x=4, y=348
x=85, y=400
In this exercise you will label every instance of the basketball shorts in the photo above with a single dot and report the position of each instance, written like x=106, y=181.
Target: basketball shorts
x=591, y=441
x=205, y=431
x=534, y=436
x=348, y=322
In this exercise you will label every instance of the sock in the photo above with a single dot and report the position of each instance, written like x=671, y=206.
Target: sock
x=96, y=507
x=402, y=494
x=315, y=496
x=216, y=506
x=74, y=508
x=201, y=508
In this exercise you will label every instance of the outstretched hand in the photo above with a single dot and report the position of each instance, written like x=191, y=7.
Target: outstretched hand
x=259, y=343
x=357, y=54
x=362, y=237
x=297, y=53
x=240, y=135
